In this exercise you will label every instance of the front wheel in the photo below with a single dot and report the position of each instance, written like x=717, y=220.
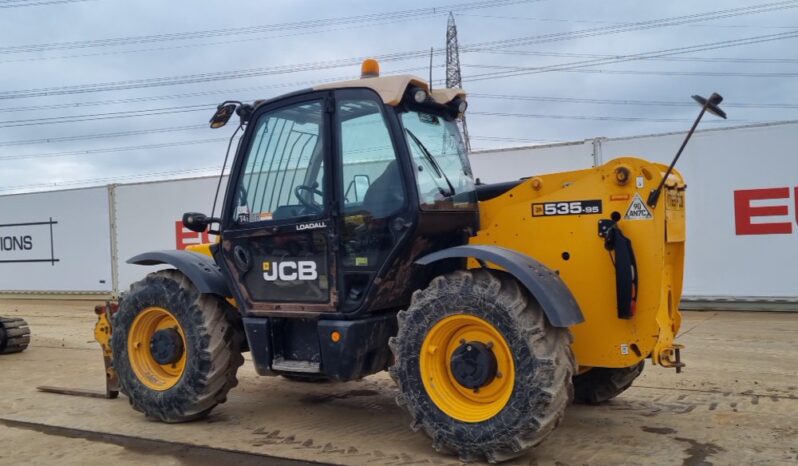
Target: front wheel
x=176, y=351
x=479, y=367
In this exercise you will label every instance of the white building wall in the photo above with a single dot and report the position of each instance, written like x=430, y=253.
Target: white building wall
x=56, y=241
x=148, y=218
x=722, y=260
x=512, y=164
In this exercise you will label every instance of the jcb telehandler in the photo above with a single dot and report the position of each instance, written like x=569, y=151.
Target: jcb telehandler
x=353, y=239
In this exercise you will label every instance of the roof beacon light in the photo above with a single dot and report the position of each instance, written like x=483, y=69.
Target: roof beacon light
x=370, y=68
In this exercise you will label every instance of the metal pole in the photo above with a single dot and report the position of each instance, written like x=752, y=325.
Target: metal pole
x=654, y=196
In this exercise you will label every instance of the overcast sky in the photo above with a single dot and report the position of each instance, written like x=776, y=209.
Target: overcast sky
x=44, y=53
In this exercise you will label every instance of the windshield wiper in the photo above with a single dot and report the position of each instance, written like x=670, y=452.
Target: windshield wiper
x=433, y=163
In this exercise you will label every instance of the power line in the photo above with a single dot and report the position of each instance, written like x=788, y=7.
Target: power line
x=313, y=66
x=118, y=115
x=571, y=100
x=194, y=78
x=108, y=150
x=616, y=23
x=107, y=52
x=133, y=100
x=377, y=22
x=639, y=56
x=105, y=116
x=19, y=4
x=647, y=73
x=601, y=118
x=636, y=26
x=224, y=32
x=658, y=103
x=92, y=181
x=512, y=139
x=758, y=61
x=86, y=137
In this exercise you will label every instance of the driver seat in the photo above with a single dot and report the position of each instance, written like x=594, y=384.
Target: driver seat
x=386, y=194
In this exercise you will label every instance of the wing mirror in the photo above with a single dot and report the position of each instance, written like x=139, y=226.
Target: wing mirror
x=197, y=222
x=222, y=115
x=226, y=109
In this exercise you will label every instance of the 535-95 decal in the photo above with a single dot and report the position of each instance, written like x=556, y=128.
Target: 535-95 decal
x=550, y=209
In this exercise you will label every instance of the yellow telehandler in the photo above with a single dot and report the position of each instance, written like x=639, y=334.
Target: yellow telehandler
x=354, y=239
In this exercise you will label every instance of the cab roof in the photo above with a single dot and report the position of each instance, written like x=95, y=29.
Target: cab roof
x=391, y=89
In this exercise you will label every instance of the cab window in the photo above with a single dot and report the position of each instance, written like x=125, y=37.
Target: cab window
x=283, y=173
x=443, y=173
x=372, y=181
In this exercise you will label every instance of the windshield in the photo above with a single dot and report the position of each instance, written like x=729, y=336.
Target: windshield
x=443, y=173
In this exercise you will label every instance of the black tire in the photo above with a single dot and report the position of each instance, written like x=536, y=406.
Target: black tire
x=214, y=337
x=14, y=335
x=544, y=365
x=602, y=384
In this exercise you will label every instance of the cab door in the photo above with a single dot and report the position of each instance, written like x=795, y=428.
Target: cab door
x=375, y=207
x=277, y=225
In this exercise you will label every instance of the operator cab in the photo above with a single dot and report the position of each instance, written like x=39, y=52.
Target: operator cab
x=342, y=185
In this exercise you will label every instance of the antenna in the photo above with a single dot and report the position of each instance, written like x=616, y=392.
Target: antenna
x=453, y=78
x=707, y=105
x=430, y=67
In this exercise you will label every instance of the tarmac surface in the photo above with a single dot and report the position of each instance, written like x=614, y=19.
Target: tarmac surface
x=735, y=403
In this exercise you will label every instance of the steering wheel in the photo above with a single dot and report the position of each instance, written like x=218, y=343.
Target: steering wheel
x=309, y=203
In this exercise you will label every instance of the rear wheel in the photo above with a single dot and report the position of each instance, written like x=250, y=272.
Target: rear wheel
x=479, y=368
x=14, y=335
x=601, y=384
x=176, y=351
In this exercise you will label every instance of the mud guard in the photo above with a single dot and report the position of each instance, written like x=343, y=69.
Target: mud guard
x=542, y=283
x=200, y=269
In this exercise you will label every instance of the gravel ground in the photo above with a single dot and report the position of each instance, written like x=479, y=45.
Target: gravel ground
x=735, y=403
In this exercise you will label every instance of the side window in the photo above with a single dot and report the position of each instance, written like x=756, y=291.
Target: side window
x=283, y=174
x=443, y=172
x=371, y=177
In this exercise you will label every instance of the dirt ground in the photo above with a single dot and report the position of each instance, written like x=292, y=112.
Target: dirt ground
x=735, y=403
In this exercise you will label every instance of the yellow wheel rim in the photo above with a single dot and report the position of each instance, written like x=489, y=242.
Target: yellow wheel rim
x=152, y=374
x=457, y=401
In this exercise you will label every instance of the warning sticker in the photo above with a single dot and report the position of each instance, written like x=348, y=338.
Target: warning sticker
x=637, y=210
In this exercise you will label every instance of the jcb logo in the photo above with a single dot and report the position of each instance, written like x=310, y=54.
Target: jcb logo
x=290, y=271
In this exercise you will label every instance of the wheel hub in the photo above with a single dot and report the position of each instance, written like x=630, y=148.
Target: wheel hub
x=470, y=385
x=473, y=364
x=166, y=346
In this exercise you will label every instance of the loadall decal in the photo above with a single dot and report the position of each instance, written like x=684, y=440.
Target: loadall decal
x=290, y=271
x=311, y=226
x=553, y=209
